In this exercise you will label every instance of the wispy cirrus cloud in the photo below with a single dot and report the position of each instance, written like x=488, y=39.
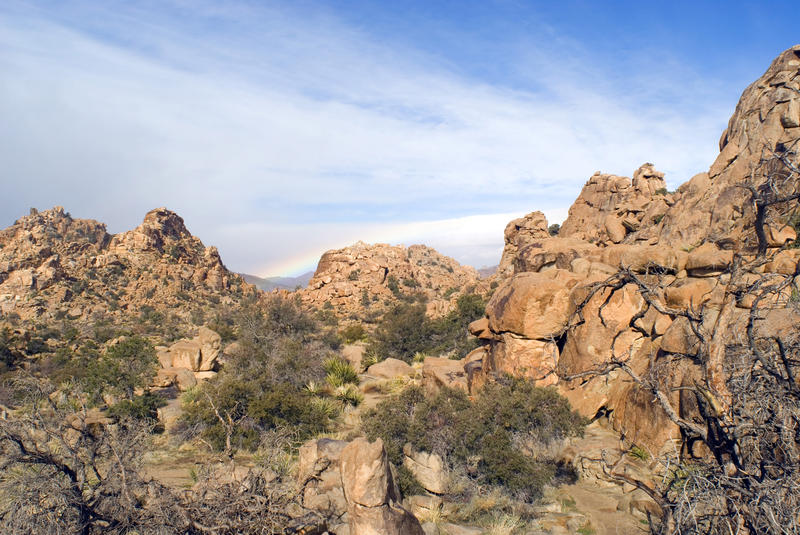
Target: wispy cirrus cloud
x=279, y=133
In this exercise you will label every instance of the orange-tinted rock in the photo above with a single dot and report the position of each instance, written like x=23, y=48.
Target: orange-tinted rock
x=708, y=260
x=361, y=277
x=533, y=305
x=519, y=233
x=610, y=207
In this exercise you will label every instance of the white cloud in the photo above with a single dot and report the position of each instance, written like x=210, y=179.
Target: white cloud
x=261, y=140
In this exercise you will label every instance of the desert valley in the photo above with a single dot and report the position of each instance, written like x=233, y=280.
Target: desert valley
x=632, y=369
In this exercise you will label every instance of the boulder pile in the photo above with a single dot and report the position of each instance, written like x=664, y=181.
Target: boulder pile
x=365, y=277
x=629, y=264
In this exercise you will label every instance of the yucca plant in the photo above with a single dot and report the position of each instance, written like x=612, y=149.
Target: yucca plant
x=326, y=406
x=339, y=372
x=349, y=394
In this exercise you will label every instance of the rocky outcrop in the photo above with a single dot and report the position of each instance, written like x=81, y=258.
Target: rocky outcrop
x=353, y=485
x=428, y=468
x=714, y=206
x=390, y=369
x=198, y=354
x=188, y=361
x=53, y=265
x=320, y=478
x=363, y=277
x=519, y=233
x=551, y=321
x=611, y=207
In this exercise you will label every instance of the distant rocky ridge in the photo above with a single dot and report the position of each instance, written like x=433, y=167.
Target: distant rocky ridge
x=364, y=277
x=53, y=266
x=267, y=284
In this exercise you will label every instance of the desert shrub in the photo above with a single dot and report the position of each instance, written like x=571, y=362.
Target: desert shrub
x=554, y=229
x=263, y=385
x=391, y=283
x=230, y=414
x=405, y=330
x=9, y=354
x=408, y=482
x=450, y=333
x=125, y=366
x=144, y=407
x=353, y=333
x=224, y=325
x=500, y=439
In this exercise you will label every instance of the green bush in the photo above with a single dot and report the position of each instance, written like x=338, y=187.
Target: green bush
x=405, y=330
x=144, y=407
x=263, y=385
x=254, y=408
x=391, y=283
x=9, y=354
x=125, y=366
x=353, y=333
x=498, y=439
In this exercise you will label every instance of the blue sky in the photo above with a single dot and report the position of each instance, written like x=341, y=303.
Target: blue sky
x=280, y=130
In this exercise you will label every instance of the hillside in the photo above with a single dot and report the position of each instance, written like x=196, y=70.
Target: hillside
x=58, y=273
x=363, y=280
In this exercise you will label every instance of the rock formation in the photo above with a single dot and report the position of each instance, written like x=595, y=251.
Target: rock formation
x=353, y=483
x=549, y=321
x=519, y=233
x=361, y=277
x=373, y=499
x=610, y=207
x=53, y=265
x=714, y=206
x=189, y=360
